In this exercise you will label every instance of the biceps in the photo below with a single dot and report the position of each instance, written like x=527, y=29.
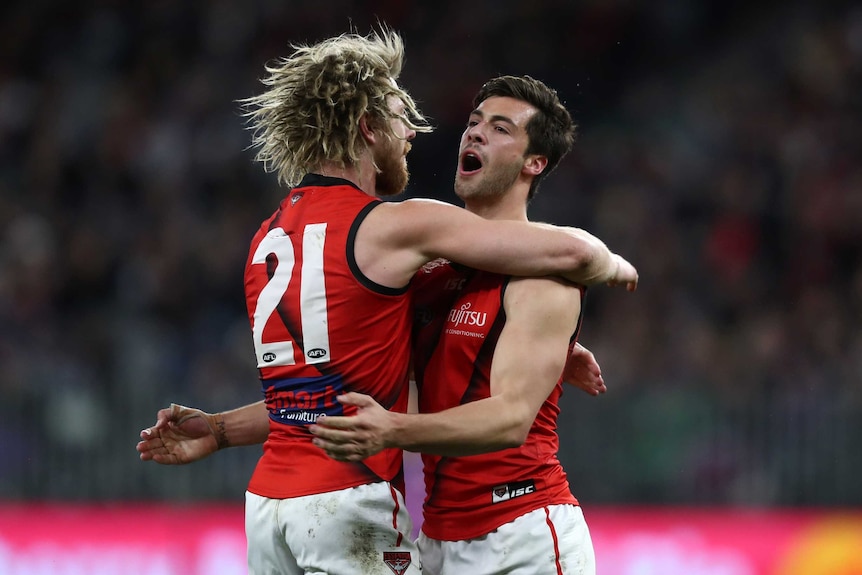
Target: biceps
x=526, y=371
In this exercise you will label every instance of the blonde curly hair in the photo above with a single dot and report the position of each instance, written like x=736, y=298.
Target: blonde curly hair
x=309, y=115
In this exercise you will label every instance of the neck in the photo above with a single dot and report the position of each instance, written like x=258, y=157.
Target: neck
x=512, y=205
x=361, y=174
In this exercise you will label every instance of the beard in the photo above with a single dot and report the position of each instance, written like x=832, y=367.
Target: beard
x=392, y=176
x=491, y=183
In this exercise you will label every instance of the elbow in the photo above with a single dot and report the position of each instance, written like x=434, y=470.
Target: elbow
x=514, y=441
x=585, y=259
x=515, y=436
x=591, y=264
x=514, y=422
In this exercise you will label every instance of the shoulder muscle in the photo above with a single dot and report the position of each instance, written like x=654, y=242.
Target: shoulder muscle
x=543, y=302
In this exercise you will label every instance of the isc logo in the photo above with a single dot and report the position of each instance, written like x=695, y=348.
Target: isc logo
x=512, y=490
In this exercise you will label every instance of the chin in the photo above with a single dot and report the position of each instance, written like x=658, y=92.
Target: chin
x=462, y=190
x=392, y=186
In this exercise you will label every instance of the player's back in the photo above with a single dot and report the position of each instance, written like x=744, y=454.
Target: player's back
x=320, y=328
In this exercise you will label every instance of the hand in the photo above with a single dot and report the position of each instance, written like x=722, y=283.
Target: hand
x=583, y=371
x=625, y=274
x=181, y=435
x=353, y=438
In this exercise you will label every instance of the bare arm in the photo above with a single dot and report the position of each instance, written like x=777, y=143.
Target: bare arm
x=397, y=238
x=183, y=434
x=528, y=361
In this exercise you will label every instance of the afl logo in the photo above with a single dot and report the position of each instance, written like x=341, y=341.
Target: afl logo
x=316, y=353
x=269, y=357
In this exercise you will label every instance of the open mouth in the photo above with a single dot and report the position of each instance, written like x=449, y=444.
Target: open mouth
x=470, y=163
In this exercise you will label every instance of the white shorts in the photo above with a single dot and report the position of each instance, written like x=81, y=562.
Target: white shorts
x=551, y=540
x=363, y=530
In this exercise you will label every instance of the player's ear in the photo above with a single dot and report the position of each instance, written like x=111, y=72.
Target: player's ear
x=535, y=164
x=368, y=129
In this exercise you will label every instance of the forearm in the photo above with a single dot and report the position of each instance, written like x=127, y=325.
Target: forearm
x=507, y=247
x=247, y=425
x=480, y=426
x=545, y=249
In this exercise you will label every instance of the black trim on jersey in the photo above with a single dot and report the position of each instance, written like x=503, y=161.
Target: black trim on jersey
x=311, y=179
x=463, y=269
x=486, y=352
x=351, y=256
x=466, y=275
x=574, y=338
x=485, y=356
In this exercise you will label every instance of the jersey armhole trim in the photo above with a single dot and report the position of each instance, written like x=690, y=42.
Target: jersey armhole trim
x=351, y=256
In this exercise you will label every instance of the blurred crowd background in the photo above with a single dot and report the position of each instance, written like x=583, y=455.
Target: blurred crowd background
x=719, y=150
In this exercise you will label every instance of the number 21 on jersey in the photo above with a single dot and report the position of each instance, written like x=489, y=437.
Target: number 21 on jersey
x=312, y=297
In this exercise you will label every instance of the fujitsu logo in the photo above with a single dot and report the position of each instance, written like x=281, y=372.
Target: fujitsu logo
x=464, y=316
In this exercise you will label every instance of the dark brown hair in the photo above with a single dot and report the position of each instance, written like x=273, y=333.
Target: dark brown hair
x=551, y=131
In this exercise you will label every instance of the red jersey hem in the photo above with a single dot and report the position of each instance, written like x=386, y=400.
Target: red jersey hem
x=451, y=528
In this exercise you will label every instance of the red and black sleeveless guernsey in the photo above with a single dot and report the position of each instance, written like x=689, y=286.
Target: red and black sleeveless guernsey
x=458, y=319
x=321, y=328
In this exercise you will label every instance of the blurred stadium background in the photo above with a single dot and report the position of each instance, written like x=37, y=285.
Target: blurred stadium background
x=720, y=150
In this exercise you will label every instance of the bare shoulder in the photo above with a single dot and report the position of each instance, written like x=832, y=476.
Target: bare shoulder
x=424, y=204
x=411, y=217
x=423, y=211
x=396, y=238
x=546, y=295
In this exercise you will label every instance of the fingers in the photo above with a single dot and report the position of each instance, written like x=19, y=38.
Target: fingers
x=335, y=428
x=352, y=422
x=152, y=446
x=590, y=363
x=144, y=450
x=154, y=449
x=594, y=389
x=155, y=431
x=626, y=274
x=348, y=423
x=338, y=447
x=342, y=438
x=163, y=418
x=342, y=449
x=631, y=279
x=344, y=452
x=586, y=377
x=357, y=399
x=598, y=384
x=346, y=438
